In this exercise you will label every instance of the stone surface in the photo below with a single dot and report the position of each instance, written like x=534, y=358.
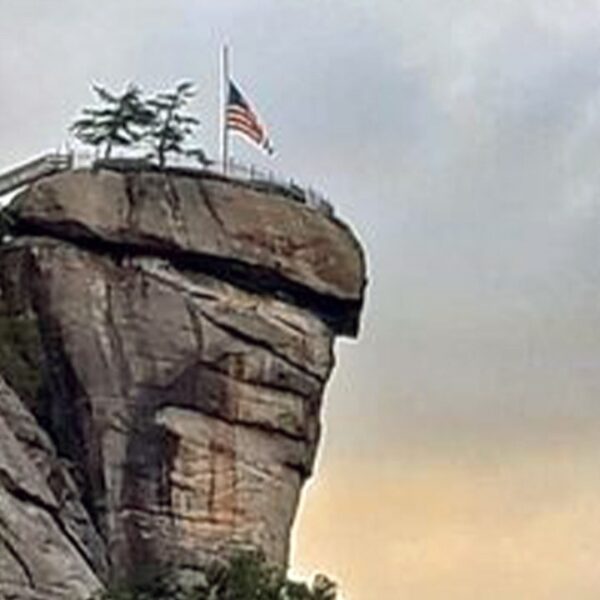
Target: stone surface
x=231, y=228
x=44, y=530
x=187, y=330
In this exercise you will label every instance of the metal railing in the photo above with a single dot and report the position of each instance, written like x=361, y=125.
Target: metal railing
x=236, y=171
x=33, y=170
x=271, y=181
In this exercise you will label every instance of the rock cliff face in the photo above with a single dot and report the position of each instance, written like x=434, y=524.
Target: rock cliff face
x=178, y=337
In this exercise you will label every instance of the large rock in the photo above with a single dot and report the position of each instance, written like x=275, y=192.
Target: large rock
x=186, y=330
x=211, y=224
x=48, y=546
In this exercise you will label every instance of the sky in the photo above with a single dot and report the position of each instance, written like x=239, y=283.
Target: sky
x=461, y=140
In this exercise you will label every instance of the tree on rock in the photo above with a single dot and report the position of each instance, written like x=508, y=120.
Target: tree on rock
x=120, y=120
x=171, y=127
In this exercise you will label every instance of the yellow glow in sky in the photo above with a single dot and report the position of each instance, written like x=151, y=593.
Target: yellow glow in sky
x=523, y=526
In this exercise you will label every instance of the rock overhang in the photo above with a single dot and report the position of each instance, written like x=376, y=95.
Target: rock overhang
x=259, y=240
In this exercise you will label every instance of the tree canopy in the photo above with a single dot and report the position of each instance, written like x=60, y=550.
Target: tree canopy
x=128, y=119
x=121, y=119
x=170, y=126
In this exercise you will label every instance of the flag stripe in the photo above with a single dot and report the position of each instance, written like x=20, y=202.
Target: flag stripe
x=236, y=110
x=249, y=132
x=236, y=114
x=235, y=117
x=233, y=121
x=245, y=125
x=240, y=117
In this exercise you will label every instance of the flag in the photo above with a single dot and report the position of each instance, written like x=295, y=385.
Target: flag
x=240, y=117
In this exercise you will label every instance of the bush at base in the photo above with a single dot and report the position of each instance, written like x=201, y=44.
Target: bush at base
x=246, y=577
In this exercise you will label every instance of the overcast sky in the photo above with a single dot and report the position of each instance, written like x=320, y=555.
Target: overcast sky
x=461, y=139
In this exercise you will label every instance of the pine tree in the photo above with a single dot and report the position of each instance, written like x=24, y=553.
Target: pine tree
x=119, y=121
x=171, y=127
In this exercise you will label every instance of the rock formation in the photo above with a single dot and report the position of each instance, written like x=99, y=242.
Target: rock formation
x=165, y=341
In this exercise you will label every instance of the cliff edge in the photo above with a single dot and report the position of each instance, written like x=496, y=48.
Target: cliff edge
x=165, y=341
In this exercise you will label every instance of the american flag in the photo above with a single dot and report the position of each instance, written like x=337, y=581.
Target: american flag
x=241, y=117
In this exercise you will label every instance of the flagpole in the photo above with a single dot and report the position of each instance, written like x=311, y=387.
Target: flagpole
x=224, y=94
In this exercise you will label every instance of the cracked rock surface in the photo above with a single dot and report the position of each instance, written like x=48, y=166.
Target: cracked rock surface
x=186, y=329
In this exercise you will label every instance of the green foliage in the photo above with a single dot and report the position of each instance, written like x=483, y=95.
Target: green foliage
x=170, y=125
x=128, y=119
x=20, y=342
x=119, y=121
x=20, y=352
x=247, y=577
